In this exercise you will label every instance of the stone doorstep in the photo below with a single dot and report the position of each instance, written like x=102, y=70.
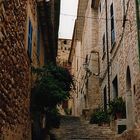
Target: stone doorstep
x=135, y=134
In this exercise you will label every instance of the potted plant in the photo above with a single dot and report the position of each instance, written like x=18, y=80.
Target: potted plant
x=117, y=108
x=100, y=117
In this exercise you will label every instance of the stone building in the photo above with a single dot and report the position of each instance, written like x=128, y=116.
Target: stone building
x=25, y=41
x=48, y=12
x=119, y=56
x=84, y=60
x=64, y=46
x=118, y=31
x=14, y=72
x=111, y=29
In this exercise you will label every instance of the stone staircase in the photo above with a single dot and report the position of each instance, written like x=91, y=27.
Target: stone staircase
x=72, y=128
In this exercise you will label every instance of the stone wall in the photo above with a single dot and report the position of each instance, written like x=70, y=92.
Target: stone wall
x=14, y=72
x=63, y=51
x=85, y=53
x=123, y=55
x=90, y=49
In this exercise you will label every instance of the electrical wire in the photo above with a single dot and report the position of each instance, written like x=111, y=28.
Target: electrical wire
x=69, y=15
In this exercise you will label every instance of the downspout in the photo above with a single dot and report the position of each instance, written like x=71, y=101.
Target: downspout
x=107, y=46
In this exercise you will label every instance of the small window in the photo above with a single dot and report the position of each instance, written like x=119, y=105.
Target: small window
x=65, y=42
x=134, y=89
x=38, y=45
x=87, y=83
x=138, y=13
x=112, y=25
x=138, y=19
x=105, y=99
x=123, y=7
x=77, y=64
x=115, y=87
x=100, y=7
x=86, y=60
x=30, y=31
x=103, y=43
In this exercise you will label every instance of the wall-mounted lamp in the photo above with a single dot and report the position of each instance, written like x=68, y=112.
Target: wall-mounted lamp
x=86, y=68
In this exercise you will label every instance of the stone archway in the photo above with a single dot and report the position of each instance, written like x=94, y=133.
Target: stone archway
x=129, y=102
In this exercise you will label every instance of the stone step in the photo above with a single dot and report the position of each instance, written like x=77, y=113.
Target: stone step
x=73, y=128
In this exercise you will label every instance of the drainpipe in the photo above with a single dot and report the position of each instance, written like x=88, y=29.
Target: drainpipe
x=107, y=46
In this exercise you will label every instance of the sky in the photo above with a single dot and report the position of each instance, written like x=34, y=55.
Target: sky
x=67, y=18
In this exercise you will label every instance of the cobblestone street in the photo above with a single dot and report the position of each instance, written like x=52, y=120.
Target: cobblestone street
x=72, y=128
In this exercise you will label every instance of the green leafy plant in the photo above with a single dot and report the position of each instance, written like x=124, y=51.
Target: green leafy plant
x=117, y=107
x=99, y=116
x=51, y=87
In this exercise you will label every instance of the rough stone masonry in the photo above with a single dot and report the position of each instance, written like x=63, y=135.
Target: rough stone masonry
x=14, y=72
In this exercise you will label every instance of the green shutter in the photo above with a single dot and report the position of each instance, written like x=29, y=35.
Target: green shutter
x=138, y=12
x=138, y=23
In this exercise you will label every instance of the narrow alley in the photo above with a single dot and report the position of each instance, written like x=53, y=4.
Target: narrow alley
x=65, y=63
x=73, y=128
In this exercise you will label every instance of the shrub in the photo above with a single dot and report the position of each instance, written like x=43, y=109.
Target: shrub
x=99, y=116
x=117, y=106
x=52, y=85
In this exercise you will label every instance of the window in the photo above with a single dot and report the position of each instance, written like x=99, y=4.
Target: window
x=138, y=20
x=105, y=99
x=115, y=87
x=77, y=64
x=30, y=31
x=86, y=59
x=103, y=40
x=65, y=42
x=138, y=14
x=38, y=45
x=87, y=83
x=100, y=7
x=112, y=25
x=123, y=7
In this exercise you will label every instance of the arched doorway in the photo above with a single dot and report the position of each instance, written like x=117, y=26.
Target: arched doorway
x=129, y=102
